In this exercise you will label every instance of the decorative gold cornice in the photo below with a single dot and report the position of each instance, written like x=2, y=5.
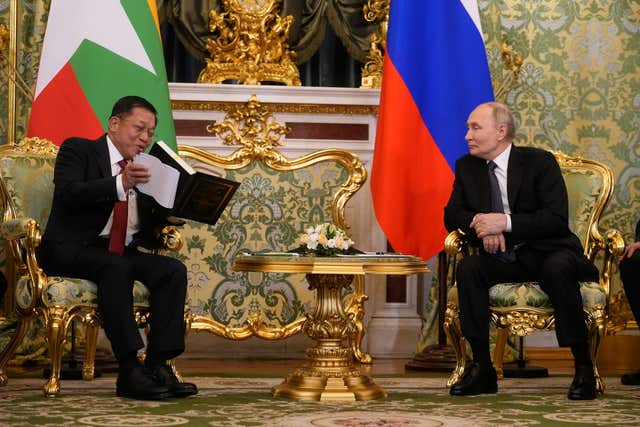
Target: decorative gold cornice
x=356, y=110
x=250, y=45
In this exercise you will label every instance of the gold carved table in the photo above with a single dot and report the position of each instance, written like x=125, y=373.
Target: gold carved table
x=329, y=373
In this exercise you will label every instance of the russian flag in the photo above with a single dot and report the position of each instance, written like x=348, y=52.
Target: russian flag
x=435, y=74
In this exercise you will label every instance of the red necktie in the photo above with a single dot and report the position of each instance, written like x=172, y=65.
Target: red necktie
x=119, y=225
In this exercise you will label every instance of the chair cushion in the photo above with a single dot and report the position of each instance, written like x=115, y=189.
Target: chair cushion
x=529, y=295
x=67, y=292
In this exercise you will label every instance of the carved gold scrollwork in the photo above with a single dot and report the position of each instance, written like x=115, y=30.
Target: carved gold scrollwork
x=375, y=10
x=35, y=145
x=522, y=323
x=4, y=36
x=250, y=45
x=11, y=72
x=512, y=62
x=255, y=128
x=619, y=313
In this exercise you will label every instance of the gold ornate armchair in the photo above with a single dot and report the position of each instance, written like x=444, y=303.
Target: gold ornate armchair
x=26, y=190
x=522, y=308
x=278, y=199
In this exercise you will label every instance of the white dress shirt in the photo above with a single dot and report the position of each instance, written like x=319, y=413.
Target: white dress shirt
x=502, y=162
x=132, y=213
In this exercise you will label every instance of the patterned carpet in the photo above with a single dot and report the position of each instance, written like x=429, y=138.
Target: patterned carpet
x=412, y=402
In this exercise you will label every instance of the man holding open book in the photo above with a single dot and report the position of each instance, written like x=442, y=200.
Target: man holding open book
x=97, y=223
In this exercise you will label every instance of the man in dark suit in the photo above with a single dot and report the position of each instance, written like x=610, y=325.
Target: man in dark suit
x=513, y=200
x=630, y=275
x=94, y=180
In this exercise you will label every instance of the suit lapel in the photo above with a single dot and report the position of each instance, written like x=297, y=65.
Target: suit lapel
x=102, y=156
x=481, y=177
x=514, y=176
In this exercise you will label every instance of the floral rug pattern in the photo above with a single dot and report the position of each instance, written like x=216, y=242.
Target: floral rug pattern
x=412, y=402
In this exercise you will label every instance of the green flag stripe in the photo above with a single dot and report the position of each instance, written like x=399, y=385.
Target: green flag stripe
x=106, y=77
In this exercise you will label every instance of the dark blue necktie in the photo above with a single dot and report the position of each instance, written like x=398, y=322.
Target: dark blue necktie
x=498, y=207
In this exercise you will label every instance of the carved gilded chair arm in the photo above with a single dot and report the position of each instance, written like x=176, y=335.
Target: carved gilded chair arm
x=14, y=228
x=171, y=239
x=613, y=247
x=23, y=235
x=614, y=243
x=455, y=242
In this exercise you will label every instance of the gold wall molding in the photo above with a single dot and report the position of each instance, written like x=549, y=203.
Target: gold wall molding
x=190, y=105
x=375, y=10
x=250, y=46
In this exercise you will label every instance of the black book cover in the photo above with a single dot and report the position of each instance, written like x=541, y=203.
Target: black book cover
x=200, y=197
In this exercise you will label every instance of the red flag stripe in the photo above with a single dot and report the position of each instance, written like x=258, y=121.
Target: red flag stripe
x=410, y=173
x=62, y=100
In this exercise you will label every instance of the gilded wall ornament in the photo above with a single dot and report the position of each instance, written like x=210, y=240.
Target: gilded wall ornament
x=250, y=45
x=512, y=62
x=254, y=127
x=6, y=66
x=375, y=10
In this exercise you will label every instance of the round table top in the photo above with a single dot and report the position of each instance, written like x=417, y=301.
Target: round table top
x=343, y=264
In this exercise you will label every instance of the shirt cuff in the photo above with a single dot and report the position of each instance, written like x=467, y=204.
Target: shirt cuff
x=508, y=228
x=122, y=195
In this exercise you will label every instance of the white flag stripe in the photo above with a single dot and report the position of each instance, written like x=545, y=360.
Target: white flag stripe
x=472, y=9
x=104, y=22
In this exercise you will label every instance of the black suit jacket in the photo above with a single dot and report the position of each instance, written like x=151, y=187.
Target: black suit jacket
x=537, y=199
x=84, y=195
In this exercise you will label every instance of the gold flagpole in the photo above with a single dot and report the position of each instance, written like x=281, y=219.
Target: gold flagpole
x=13, y=44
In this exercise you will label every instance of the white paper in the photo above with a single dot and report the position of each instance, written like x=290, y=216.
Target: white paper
x=163, y=184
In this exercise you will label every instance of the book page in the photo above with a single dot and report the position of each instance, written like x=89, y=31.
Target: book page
x=163, y=184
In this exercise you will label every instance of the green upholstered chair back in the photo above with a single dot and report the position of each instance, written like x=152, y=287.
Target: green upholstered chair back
x=28, y=180
x=589, y=186
x=277, y=199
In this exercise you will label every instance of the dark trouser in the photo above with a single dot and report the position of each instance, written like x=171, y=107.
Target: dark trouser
x=557, y=273
x=165, y=277
x=630, y=275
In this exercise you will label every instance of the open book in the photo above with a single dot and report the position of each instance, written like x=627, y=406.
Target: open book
x=176, y=185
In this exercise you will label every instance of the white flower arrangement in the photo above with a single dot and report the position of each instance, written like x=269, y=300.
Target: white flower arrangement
x=325, y=240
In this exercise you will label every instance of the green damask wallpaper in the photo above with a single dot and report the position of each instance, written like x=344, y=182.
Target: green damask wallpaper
x=578, y=90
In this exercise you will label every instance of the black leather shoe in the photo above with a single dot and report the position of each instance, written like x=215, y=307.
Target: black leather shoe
x=476, y=380
x=632, y=378
x=165, y=376
x=140, y=383
x=583, y=386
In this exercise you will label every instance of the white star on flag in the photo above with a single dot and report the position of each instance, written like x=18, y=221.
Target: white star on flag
x=103, y=22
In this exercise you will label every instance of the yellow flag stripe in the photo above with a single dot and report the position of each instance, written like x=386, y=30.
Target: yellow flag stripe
x=154, y=11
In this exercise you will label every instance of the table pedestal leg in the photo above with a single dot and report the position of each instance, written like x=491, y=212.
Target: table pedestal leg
x=329, y=373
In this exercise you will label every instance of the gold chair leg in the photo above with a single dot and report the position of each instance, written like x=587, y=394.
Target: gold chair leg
x=596, y=335
x=498, y=353
x=7, y=353
x=57, y=322
x=356, y=307
x=454, y=335
x=89, y=361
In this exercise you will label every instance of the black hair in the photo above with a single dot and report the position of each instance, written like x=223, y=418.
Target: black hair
x=124, y=105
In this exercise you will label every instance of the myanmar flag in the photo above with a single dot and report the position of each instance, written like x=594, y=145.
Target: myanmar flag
x=94, y=53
